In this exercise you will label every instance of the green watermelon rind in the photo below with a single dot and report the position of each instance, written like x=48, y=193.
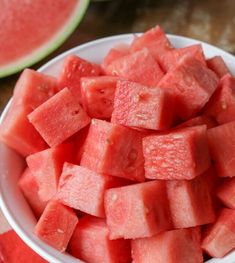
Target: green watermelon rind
x=43, y=51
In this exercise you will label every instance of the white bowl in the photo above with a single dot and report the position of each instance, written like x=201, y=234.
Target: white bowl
x=12, y=202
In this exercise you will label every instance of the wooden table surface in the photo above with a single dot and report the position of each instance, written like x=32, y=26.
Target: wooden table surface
x=212, y=21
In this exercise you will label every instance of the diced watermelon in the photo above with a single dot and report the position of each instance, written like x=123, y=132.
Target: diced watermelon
x=222, y=147
x=115, y=150
x=221, y=106
x=56, y=225
x=199, y=120
x=46, y=167
x=218, y=65
x=73, y=69
x=98, y=95
x=226, y=192
x=181, y=246
x=14, y=250
x=29, y=187
x=140, y=67
x=220, y=237
x=90, y=242
x=181, y=154
x=59, y=118
x=142, y=107
x=193, y=84
x=137, y=211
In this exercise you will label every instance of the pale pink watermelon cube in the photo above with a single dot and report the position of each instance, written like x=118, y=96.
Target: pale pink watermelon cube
x=56, y=225
x=90, y=242
x=218, y=65
x=226, y=192
x=59, y=118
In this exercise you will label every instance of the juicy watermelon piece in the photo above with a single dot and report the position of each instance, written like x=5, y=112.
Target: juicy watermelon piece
x=14, y=250
x=222, y=147
x=30, y=188
x=193, y=84
x=199, y=120
x=90, y=242
x=59, y=118
x=218, y=65
x=46, y=167
x=181, y=154
x=98, y=96
x=139, y=106
x=115, y=150
x=193, y=205
x=222, y=104
x=220, y=237
x=56, y=225
x=73, y=69
x=226, y=193
x=140, y=67
x=182, y=245
x=73, y=189
x=137, y=211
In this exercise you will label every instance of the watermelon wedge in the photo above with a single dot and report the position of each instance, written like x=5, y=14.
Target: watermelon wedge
x=22, y=45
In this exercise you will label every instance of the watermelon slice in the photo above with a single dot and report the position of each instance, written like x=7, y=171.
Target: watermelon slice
x=199, y=120
x=218, y=65
x=226, y=192
x=33, y=45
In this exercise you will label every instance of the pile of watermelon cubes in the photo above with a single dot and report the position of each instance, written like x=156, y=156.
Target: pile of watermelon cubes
x=132, y=160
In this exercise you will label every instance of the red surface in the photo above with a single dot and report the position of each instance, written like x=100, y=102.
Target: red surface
x=218, y=65
x=200, y=120
x=226, y=193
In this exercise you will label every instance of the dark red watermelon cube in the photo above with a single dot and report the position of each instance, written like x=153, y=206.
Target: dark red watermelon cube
x=59, y=118
x=176, y=246
x=193, y=84
x=115, y=150
x=219, y=239
x=222, y=147
x=221, y=106
x=226, y=192
x=137, y=211
x=140, y=67
x=139, y=106
x=98, y=95
x=218, y=65
x=180, y=154
x=199, y=120
x=56, y=225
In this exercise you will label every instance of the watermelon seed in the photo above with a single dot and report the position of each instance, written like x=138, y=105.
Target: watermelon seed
x=109, y=141
x=223, y=105
x=75, y=112
x=60, y=231
x=114, y=197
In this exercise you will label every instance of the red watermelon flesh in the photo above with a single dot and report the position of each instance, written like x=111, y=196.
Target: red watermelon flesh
x=59, y=117
x=136, y=211
x=218, y=65
x=219, y=238
x=226, y=193
x=90, y=242
x=98, y=95
x=199, y=120
x=182, y=245
x=140, y=67
x=181, y=154
x=73, y=69
x=139, y=106
x=56, y=225
x=46, y=167
x=193, y=84
x=14, y=250
x=29, y=187
x=221, y=106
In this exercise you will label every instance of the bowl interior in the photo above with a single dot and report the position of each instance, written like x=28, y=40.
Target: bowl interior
x=13, y=204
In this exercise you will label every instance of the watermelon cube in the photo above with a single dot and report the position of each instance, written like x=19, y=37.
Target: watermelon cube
x=56, y=225
x=46, y=167
x=14, y=250
x=199, y=120
x=218, y=65
x=226, y=192
x=181, y=246
x=140, y=67
x=139, y=106
x=221, y=106
x=59, y=118
x=137, y=211
x=73, y=189
x=30, y=188
x=222, y=147
x=73, y=69
x=98, y=95
x=219, y=238
x=180, y=154
x=115, y=150
x=193, y=84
